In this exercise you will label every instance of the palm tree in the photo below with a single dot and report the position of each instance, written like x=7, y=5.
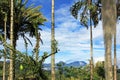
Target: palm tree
x=12, y=68
x=109, y=26
x=93, y=9
x=26, y=20
x=91, y=45
x=52, y=44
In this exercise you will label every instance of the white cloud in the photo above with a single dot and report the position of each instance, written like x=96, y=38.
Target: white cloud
x=74, y=41
x=98, y=59
x=72, y=38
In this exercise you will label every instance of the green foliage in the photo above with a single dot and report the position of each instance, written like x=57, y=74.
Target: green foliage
x=31, y=67
x=87, y=9
x=55, y=46
x=68, y=73
x=118, y=76
x=81, y=73
x=26, y=19
x=99, y=68
x=75, y=8
x=60, y=67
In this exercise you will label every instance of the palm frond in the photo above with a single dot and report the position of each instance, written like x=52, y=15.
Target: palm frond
x=86, y=10
x=75, y=8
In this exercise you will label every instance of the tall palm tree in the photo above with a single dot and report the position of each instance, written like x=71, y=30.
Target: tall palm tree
x=109, y=26
x=91, y=45
x=52, y=44
x=91, y=9
x=12, y=68
x=27, y=19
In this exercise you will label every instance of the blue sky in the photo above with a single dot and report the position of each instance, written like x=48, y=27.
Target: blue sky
x=73, y=39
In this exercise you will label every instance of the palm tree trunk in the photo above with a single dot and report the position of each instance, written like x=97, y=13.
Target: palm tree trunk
x=115, y=65
x=109, y=24
x=91, y=46
x=91, y=52
x=11, y=75
x=37, y=45
x=52, y=45
x=4, y=63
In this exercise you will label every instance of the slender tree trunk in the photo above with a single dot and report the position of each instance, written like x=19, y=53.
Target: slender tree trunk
x=4, y=63
x=91, y=53
x=115, y=58
x=37, y=45
x=115, y=62
x=52, y=44
x=109, y=24
x=91, y=46
x=11, y=75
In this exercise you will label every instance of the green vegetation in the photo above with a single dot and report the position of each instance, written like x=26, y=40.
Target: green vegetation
x=32, y=69
x=17, y=20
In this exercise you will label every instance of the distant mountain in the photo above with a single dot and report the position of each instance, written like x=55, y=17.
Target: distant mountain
x=76, y=64
x=73, y=64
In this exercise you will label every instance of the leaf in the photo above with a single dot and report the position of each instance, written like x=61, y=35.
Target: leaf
x=86, y=10
x=75, y=8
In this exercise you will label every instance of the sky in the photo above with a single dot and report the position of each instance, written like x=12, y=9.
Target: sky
x=73, y=39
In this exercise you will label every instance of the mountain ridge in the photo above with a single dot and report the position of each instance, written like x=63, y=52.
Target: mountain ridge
x=64, y=64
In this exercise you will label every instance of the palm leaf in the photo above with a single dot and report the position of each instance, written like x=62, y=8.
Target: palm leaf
x=84, y=8
x=75, y=8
